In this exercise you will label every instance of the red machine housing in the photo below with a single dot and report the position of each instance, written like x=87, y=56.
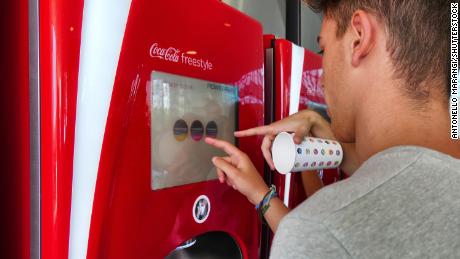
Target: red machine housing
x=123, y=182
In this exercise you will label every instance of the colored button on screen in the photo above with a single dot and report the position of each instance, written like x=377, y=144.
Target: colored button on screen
x=211, y=129
x=197, y=130
x=180, y=130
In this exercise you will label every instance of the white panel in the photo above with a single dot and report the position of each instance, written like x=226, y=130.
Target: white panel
x=298, y=54
x=104, y=23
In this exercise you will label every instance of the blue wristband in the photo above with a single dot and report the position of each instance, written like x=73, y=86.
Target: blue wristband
x=263, y=206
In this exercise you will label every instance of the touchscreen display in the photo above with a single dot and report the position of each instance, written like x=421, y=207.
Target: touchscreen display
x=183, y=112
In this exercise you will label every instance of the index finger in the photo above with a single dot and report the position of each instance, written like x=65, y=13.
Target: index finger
x=261, y=130
x=223, y=145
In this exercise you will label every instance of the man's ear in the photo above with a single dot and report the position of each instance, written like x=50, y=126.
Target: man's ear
x=363, y=36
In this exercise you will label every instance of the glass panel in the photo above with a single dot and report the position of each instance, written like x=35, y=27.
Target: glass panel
x=184, y=111
x=270, y=13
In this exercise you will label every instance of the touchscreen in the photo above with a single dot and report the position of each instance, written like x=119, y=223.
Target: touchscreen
x=183, y=112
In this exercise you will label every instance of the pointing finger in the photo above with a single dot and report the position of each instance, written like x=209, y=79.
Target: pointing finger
x=262, y=130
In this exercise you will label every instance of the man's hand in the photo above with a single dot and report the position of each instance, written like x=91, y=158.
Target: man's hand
x=304, y=123
x=237, y=171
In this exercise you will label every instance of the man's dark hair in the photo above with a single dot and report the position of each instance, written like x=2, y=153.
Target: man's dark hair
x=418, y=34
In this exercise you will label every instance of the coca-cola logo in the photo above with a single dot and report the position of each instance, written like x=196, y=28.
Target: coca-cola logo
x=171, y=54
x=168, y=54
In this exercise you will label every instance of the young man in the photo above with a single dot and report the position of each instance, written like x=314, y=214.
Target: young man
x=386, y=82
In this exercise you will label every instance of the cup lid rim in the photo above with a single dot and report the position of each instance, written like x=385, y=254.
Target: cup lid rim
x=283, y=152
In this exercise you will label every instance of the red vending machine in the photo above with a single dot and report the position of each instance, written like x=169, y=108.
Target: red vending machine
x=128, y=91
x=108, y=155
x=293, y=78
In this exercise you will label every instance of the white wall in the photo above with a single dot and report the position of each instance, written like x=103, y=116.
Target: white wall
x=271, y=13
x=310, y=27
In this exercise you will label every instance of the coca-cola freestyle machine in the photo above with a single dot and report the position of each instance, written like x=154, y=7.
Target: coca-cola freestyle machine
x=121, y=95
x=128, y=92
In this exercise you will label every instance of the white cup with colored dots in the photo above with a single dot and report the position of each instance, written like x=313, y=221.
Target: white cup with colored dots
x=310, y=154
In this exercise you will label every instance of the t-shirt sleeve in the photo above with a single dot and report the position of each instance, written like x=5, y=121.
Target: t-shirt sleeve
x=298, y=238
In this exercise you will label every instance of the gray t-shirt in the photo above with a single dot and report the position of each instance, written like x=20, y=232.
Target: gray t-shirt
x=403, y=202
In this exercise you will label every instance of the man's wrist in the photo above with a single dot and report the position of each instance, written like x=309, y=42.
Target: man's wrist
x=259, y=195
x=264, y=205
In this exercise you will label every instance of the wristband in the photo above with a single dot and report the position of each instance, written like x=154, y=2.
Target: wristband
x=264, y=205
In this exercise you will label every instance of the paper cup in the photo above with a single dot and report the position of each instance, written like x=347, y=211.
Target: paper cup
x=311, y=154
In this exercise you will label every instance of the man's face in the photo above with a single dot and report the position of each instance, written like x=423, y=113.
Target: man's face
x=337, y=80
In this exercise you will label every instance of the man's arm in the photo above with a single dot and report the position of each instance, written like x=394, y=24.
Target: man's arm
x=275, y=213
x=311, y=182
